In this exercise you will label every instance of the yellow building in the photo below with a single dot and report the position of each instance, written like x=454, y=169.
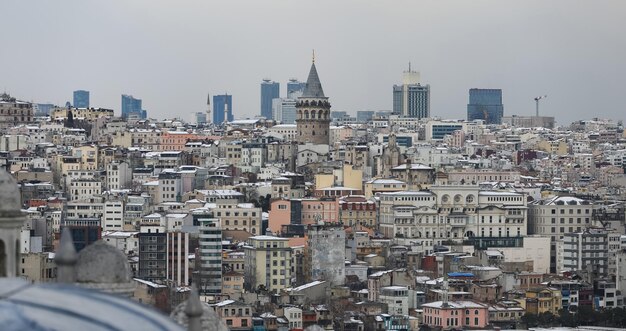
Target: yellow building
x=352, y=178
x=232, y=284
x=347, y=176
x=89, y=114
x=267, y=263
x=558, y=147
x=89, y=157
x=122, y=139
x=542, y=300
x=383, y=185
x=357, y=210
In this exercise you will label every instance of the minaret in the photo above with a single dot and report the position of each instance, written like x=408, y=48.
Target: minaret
x=209, y=119
x=11, y=222
x=313, y=111
x=225, y=112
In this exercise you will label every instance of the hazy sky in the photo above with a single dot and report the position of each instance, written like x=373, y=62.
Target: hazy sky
x=172, y=53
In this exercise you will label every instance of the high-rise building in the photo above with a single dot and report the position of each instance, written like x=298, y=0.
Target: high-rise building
x=178, y=250
x=267, y=263
x=222, y=104
x=485, y=104
x=81, y=99
x=364, y=116
x=313, y=112
x=131, y=107
x=43, y=109
x=200, y=118
x=411, y=99
x=269, y=91
x=152, y=253
x=284, y=110
x=209, y=260
x=295, y=88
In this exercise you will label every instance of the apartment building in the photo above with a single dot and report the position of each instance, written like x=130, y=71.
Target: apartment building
x=267, y=263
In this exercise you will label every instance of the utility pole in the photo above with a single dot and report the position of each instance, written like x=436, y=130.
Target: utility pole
x=537, y=104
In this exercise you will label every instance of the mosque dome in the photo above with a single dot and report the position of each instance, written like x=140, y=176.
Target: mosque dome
x=104, y=267
x=210, y=321
x=51, y=307
x=10, y=197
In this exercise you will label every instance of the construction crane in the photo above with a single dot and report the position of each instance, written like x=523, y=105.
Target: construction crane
x=537, y=104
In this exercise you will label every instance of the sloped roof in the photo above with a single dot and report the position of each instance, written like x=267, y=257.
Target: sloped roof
x=313, y=88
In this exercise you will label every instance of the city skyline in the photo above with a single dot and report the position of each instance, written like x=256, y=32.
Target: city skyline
x=526, y=49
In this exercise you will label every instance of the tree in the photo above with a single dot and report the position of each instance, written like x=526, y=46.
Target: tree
x=69, y=123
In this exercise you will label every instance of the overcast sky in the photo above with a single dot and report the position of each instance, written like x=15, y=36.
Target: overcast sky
x=172, y=53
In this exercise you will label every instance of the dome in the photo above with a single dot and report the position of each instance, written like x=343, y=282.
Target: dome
x=104, y=267
x=210, y=320
x=9, y=195
x=51, y=307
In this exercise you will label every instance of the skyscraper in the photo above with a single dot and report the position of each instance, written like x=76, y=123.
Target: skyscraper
x=131, y=106
x=269, y=91
x=284, y=110
x=485, y=104
x=295, y=88
x=313, y=112
x=219, y=104
x=81, y=99
x=411, y=99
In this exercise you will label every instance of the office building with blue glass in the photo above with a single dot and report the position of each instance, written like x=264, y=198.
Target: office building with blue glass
x=295, y=88
x=131, y=107
x=81, y=99
x=486, y=105
x=269, y=91
x=416, y=97
x=222, y=104
x=364, y=116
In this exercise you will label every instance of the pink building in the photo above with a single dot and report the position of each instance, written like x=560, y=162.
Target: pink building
x=236, y=315
x=279, y=215
x=326, y=210
x=456, y=314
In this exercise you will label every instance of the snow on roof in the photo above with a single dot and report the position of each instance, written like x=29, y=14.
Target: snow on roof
x=176, y=215
x=385, y=181
x=224, y=303
x=120, y=234
x=454, y=304
x=413, y=166
x=151, y=284
x=305, y=286
x=268, y=238
x=499, y=193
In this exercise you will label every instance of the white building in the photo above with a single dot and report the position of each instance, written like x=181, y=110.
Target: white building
x=113, y=216
x=118, y=175
x=396, y=298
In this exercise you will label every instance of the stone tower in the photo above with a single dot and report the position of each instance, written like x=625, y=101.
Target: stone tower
x=11, y=222
x=313, y=112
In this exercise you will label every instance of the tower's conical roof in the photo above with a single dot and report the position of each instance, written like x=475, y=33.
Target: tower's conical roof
x=313, y=87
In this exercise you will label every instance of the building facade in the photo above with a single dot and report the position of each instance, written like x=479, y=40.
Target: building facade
x=81, y=99
x=267, y=263
x=411, y=99
x=270, y=90
x=222, y=109
x=132, y=107
x=14, y=112
x=209, y=259
x=327, y=253
x=486, y=105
